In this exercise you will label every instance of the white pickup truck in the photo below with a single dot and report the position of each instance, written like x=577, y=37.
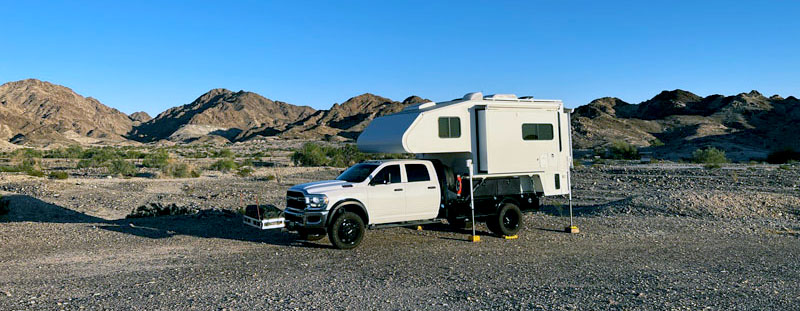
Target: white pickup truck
x=388, y=193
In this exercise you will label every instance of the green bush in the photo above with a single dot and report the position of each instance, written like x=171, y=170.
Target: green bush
x=783, y=156
x=245, y=171
x=34, y=172
x=180, y=170
x=58, y=175
x=313, y=154
x=224, y=165
x=622, y=150
x=709, y=155
x=122, y=167
x=310, y=154
x=224, y=153
x=270, y=177
x=656, y=143
x=157, y=159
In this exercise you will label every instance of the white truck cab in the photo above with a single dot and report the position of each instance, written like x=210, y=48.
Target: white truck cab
x=378, y=192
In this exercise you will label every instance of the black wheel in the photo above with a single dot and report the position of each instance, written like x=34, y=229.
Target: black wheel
x=310, y=236
x=507, y=221
x=346, y=231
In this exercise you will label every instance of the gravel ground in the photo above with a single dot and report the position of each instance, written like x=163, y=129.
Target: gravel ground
x=666, y=237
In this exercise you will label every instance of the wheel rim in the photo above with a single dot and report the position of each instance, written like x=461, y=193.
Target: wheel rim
x=348, y=231
x=510, y=221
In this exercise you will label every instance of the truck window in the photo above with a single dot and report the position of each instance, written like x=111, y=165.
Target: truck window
x=417, y=172
x=358, y=172
x=449, y=127
x=537, y=131
x=388, y=175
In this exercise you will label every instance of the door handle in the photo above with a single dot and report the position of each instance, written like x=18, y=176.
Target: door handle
x=398, y=189
x=431, y=187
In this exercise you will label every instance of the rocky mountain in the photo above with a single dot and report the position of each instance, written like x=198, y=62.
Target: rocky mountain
x=39, y=113
x=342, y=121
x=139, y=117
x=219, y=112
x=746, y=125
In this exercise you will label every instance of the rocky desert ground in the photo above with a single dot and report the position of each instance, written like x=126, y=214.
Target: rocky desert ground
x=664, y=236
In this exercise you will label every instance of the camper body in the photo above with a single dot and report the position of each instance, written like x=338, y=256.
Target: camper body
x=477, y=158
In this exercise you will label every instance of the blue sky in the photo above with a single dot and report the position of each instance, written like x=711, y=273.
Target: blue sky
x=152, y=55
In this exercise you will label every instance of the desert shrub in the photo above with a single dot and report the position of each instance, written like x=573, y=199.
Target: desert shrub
x=245, y=171
x=34, y=172
x=783, y=156
x=135, y=154
x=222, y=153
x=71, y=152
x=310, y=154
x=270, y=177
x=313, y=154
x=259, y=154
x=157, y=159
x=622, y=150
x=181, y=170
x=577, y=163
x=27, y=153
x=122, y=167
x=656, y=143
x=224, y=165
x=710, y=155
x=58, y=175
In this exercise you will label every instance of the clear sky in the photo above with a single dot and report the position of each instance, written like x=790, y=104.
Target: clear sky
x=152, y=55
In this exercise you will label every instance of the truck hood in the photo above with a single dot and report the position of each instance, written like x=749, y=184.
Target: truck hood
x=324, y=186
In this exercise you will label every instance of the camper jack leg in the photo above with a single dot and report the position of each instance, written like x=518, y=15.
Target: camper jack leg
x=572, y=227
x=473, y=237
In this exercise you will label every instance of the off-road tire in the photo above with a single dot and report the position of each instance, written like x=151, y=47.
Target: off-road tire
x=507, y=221
x=346, y=230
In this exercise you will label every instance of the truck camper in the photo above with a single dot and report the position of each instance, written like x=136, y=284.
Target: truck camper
x=478, y=158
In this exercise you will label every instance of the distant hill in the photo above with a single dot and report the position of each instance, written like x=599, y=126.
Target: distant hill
x=672, y=124
x=219, y=112
x=342, y=121
x=746, y=125
x=35, y=112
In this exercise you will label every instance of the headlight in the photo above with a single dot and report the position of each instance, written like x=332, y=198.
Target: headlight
x=317, y=201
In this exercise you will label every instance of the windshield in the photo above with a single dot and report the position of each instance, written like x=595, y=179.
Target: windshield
x=358, y=172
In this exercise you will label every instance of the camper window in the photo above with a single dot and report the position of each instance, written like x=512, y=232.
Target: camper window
x=449, y=127
x=417, y=172
x=537, y=131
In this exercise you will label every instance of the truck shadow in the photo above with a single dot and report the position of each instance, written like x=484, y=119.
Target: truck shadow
x=24, y=208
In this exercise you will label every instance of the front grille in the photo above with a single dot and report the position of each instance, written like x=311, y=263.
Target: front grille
x=295, y=200
x=290, y=217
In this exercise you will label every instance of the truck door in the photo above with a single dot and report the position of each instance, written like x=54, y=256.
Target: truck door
x=387, y=196
x=422, y=192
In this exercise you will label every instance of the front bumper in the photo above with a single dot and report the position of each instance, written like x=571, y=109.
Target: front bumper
x=304, y=219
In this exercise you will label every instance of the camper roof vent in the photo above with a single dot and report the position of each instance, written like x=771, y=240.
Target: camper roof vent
x=420, y=106
x=473, y=95
x=501, y=97
x=426, y=105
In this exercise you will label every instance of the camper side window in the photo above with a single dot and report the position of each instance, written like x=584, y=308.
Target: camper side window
x=537, y=131
x=449, y=127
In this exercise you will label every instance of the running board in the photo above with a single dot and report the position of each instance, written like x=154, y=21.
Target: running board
x=407, y=223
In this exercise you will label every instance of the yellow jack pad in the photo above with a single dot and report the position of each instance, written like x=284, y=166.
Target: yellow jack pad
x=419, y=228
x=474, y=238
x=511, y=237
x=572, y=229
